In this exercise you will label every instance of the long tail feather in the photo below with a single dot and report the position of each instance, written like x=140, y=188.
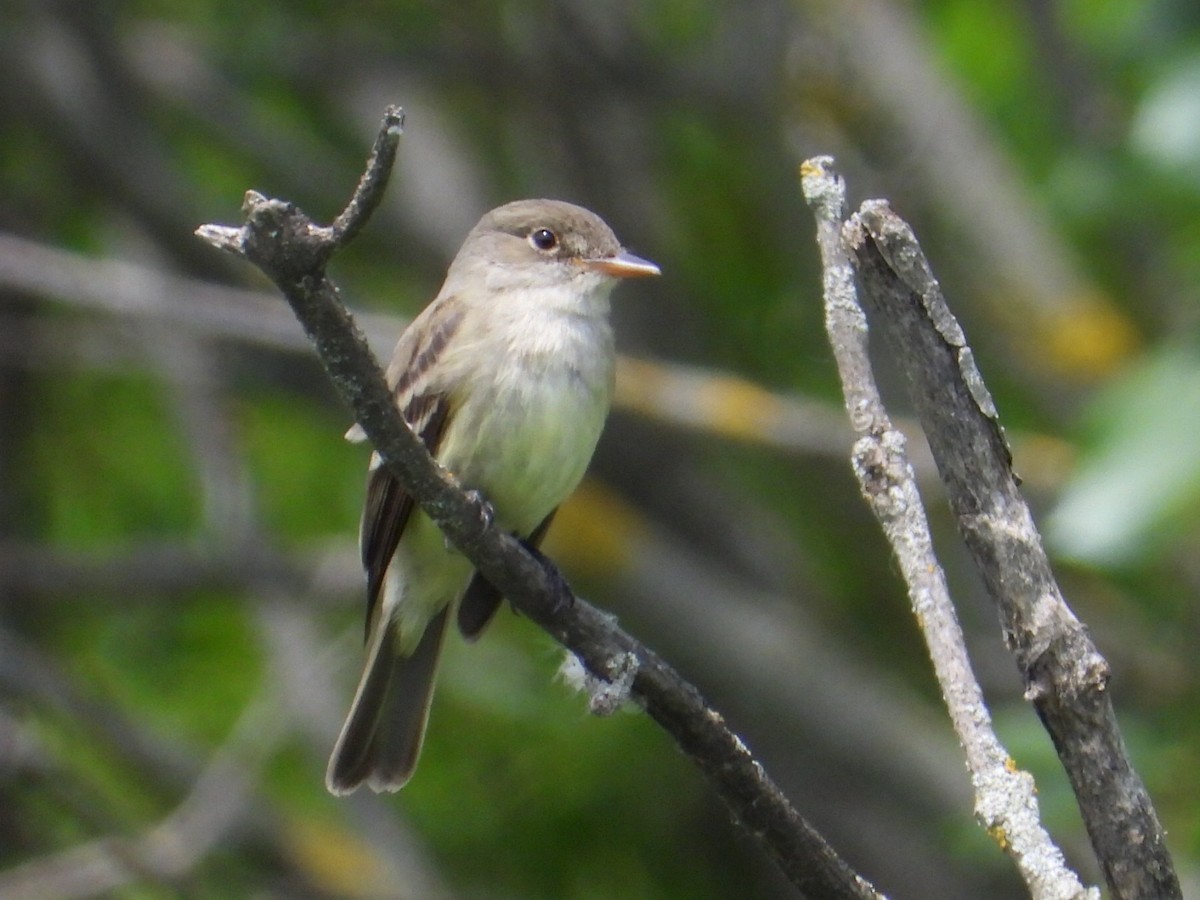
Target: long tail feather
x=381, y=739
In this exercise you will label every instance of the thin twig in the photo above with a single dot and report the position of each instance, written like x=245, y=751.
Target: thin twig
x=1065, y=675
x=369, y=192
x=1005, y=797
x=291, y=250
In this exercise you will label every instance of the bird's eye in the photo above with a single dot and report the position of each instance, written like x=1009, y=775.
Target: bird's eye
x=544, y=239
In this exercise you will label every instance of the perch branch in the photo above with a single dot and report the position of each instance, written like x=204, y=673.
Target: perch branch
x=292, y=251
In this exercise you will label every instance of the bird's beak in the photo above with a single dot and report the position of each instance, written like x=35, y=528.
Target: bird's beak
x=623, y=265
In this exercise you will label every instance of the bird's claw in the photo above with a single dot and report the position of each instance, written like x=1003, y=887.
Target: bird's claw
x=487, y=512
x=483, y=508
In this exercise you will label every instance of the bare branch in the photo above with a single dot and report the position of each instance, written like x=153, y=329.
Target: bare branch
x=369, y=192
x=1005, y=797
x=285, y=244
x=1065, y=675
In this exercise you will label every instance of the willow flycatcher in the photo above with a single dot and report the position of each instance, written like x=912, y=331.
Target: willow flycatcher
x=507, y=377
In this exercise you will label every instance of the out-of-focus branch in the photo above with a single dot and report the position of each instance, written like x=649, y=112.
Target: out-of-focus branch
x=729, y=406
x=78, y=92
x=154, y=568
x=714, y=402
x=217, y=800
x=127, y=289
x=703, y=400
x=293, y=252
x=1065, y=675
x=1056, y=320
x=1005, y=797
x=222, y=802
x=218, y=796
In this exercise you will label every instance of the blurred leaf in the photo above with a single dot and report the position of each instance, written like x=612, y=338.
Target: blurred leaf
x=1141, y=470
x=309, y=480
x=1166, y=127
x=109, y=460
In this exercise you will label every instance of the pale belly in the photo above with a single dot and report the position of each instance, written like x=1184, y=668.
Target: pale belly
x=526, y=449
x=521, y=435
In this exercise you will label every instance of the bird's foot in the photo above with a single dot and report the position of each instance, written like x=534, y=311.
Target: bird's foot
x=483, y=508
x=487, y=512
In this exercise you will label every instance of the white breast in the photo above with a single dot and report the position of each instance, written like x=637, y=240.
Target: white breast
x=527, y=418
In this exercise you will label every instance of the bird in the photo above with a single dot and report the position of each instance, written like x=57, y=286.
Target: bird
x=507, y=377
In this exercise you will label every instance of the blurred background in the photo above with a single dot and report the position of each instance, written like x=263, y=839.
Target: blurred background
x=180, y=599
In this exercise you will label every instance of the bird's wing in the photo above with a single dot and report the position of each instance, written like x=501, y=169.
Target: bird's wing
x=426, y=409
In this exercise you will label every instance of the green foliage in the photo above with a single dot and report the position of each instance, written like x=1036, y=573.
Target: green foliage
x=999, y=72
x=186, y=670
x=309, y=481
x=129, y=121
x=1135, y=487
x=108, y=462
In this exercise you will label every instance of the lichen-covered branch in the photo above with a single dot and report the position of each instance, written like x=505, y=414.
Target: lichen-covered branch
x=1005, y=797
x=1065, y=675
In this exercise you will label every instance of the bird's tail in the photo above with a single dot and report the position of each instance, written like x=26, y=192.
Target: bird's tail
x=381, y=739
